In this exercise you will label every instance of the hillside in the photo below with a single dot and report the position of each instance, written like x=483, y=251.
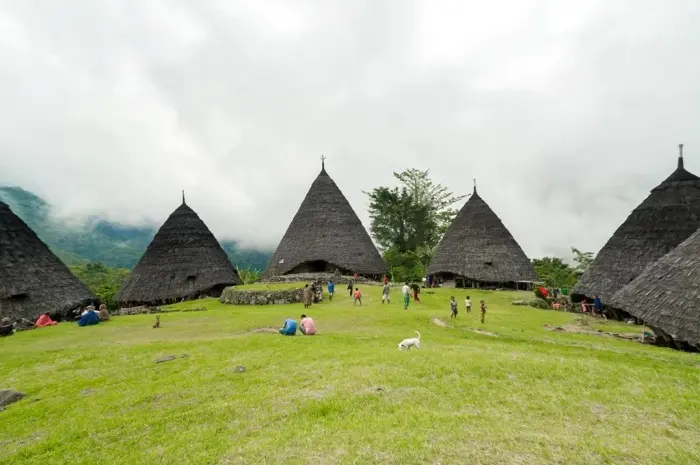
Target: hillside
x=115, y=245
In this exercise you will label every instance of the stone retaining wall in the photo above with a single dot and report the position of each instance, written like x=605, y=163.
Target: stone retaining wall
x=309, y=277
x=145, y=310
x=234, y=296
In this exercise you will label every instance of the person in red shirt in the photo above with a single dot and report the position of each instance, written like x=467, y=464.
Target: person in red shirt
x=357, y=297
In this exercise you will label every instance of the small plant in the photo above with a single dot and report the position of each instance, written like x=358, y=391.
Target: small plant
x=249, y=275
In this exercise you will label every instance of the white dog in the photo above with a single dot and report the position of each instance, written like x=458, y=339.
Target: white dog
x=410, y=342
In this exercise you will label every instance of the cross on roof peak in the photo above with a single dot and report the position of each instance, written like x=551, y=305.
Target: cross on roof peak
x=323, y=161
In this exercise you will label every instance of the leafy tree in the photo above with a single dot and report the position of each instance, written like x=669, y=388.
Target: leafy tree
x=414, y=215
x=582, y=259
x=554, y=272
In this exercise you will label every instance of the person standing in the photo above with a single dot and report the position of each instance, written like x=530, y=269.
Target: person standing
x=331, y=289
x=468, y=304
x=350, y=285
x=385, y=280
x=385, y=293
x=416, y=292
x=307, y=296
x=406, y=292
x=453, y=307
x=483, y=311
x=357, y=296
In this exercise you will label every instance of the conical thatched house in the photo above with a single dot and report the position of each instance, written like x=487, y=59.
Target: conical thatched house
x=326, y=235
x=478, y=250
x=667, y=217
x=666, y=296
x=183, y=261
x=33, y=280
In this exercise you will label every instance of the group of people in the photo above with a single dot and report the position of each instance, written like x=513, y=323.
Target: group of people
x=306, y=326
x=85, y=317
x=467, y=306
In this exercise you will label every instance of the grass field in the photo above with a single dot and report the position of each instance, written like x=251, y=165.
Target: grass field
x=519, y=395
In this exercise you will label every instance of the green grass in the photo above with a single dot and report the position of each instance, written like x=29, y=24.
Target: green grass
x=347, y=395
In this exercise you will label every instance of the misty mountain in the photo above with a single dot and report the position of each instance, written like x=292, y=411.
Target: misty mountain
x=98, y=240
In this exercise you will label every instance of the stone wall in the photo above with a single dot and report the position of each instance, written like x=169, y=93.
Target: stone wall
x=234, y=296
x=146, y=310
x=309, y=277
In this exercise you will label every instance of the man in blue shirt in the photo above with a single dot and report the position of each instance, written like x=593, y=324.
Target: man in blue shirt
x=289, y=328
x=331, y=289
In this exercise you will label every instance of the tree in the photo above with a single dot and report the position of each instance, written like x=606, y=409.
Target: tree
x=582, y=259
x=554, y=272
x=414, y=215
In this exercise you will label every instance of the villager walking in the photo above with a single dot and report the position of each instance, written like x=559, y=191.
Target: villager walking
x=331, y=289
x=385, y=293
x=453, y=307
x=350, y=285
x=468, y=304
x=483, y=311
x=306, y=294
x=406, y=293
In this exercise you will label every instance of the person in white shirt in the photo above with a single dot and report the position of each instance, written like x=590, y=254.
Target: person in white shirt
x=468, y=304
x=406, y=291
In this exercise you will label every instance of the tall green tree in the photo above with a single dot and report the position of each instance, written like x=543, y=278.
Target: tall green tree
x=554, y=272
x=415, y=214
x=582, y=260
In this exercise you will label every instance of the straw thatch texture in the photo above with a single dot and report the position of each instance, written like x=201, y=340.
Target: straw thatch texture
x=667, y=217
x=666, y=296
x=33, y=280
x=184, y=260
x=479, y=247
x=326, y=233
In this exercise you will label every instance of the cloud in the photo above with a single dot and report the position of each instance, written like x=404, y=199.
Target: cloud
x=567, y=114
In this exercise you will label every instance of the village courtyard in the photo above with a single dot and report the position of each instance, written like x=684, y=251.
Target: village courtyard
x=525, y=387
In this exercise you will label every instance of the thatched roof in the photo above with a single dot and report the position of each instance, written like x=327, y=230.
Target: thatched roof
x=666, y=296
x=478, y=246
x=184, y=260
x=33, y=280
x=667, y=217
x=326, y=229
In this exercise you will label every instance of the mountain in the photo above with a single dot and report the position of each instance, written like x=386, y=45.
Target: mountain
x=114, y=244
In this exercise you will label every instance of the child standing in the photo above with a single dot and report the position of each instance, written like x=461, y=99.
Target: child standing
x=331, y=289
x=453, y=307
x=385, y=293
x=468, y=304
x=483, y=311
x=357, y=296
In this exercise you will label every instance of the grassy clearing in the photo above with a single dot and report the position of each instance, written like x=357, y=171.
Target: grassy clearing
x=524, y=395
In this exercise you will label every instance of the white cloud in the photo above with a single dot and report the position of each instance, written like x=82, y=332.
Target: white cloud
x=568, y=113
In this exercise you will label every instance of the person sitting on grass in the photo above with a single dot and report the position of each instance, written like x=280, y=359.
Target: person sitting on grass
x=357, y=296
x=103, y=313
x=331, y=289
x=89, y=318
x=45, y=320
x=6, y=327
x=453, y=307
x=289, y=328
x=307, y=326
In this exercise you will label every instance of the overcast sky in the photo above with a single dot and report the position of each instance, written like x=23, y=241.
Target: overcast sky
x=566, y=112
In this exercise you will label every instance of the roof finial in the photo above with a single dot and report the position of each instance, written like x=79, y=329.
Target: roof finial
x=323, y=162
x=475, y=185
x=680, y=156
x=183, y=196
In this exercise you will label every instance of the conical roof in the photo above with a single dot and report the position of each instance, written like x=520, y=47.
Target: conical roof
x=326, y=229
x=33, y=280
x=183, y=260
x=478, y=246
x=666, y=296
x=667, y=217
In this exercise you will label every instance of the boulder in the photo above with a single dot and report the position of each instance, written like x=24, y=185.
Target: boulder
x=8, y=396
